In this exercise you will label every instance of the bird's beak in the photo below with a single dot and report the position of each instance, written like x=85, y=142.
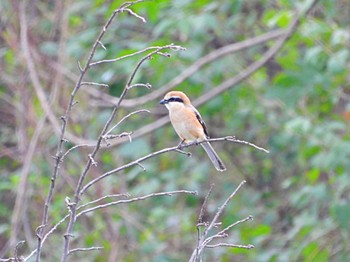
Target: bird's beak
x=163, y=101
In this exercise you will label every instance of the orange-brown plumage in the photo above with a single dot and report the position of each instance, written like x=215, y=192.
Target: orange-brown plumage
x=188, y=123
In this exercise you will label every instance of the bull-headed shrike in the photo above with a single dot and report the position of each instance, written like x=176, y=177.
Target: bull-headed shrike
x=189, y=124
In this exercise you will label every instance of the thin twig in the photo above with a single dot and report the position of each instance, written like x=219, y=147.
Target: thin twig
x=124, y=201
x=147, y=85
x=222, y=233
x=103, y=198
x=201, y=213
x=230, y=245
x=136, y=15
x=83, y=249
x=221, y=209
x=124, y=118
x=73, y=148
x=93, y=84
x=130, y=55
x=124, y=134
x=235, y=224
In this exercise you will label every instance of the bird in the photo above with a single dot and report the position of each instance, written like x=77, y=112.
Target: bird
x=189, y=125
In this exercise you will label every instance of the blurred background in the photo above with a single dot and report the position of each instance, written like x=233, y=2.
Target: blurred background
x=297, y=106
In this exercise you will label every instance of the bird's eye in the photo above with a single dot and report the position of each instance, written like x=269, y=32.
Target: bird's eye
x=175, y=99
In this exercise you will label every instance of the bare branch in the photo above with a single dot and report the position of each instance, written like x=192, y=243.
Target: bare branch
x=123, y=201
x=175, y=48
x=124, y=118
x=103, y=198
x=229, y=245
x=136, y=15
x=200, y=217
x=80, y=68
x=93, y=84
x=124, y=134
x=189, y=154
x=84, y=249
x=233, y=139
x=203, y=239
x=93, y=162
x=222, y=233
x=141, y=166
x=148, y=86
x=221, y=209
x=73, y=148
x=101, y=44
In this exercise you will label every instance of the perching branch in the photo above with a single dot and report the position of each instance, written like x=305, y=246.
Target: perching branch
x=165, y=150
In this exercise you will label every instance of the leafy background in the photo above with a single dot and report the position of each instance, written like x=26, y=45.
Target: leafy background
x=297, y=106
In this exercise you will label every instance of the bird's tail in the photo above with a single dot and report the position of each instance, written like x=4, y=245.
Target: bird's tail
x=215, y=159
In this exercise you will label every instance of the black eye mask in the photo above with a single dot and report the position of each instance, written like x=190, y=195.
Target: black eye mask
x=171, y=99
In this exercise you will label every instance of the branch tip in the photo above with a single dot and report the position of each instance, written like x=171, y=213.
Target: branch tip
x=93, y=162
x=101, y=44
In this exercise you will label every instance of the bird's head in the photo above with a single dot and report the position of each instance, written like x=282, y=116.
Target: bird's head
x=175, y=99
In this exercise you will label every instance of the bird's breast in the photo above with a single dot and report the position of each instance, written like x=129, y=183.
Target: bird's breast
x=186, y=125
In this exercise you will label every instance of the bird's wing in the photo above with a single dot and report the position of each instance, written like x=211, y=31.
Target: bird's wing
x=200, y=120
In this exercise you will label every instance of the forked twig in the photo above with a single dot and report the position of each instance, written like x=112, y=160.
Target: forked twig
x=202, y=236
